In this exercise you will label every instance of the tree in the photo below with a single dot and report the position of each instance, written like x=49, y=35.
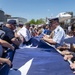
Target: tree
x=32, y=21
x=38, y=21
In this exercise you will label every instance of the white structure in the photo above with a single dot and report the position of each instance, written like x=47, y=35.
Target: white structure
x=64, y=16
x=19, y=20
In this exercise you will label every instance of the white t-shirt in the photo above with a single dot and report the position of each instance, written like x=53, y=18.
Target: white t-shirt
x=25, y=33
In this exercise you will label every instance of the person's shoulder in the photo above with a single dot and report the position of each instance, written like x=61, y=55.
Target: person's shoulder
x=57, y=29
x=6, y=28
x=23, y=28
x=60, y=28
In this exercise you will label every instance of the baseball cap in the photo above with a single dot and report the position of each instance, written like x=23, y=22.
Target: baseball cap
x=12, y=22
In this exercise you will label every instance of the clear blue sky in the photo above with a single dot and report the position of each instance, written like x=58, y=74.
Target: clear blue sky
x=36, y=8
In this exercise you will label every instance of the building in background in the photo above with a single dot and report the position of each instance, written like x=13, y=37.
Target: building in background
x=19, y=20
x=5, y=17
x=8, y=16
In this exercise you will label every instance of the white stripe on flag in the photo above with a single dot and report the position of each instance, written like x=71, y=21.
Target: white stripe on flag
x=24, y=69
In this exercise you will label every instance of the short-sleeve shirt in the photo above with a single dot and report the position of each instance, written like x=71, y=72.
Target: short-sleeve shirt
x=9, y=34
x=59, y=36
x=25, y=33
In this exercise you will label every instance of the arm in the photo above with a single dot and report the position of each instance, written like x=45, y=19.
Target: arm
x=13, y=38
x=72, y=47
x=51, y=35
x=64, y=47
x=49, y=40
x=6, y=44
x=16, y=41
x=4, y=60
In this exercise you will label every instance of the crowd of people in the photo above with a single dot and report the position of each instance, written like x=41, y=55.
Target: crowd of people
x=68, y=50
x=53, y=33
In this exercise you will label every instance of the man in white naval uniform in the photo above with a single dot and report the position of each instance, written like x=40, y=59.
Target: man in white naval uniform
x=59, y=34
